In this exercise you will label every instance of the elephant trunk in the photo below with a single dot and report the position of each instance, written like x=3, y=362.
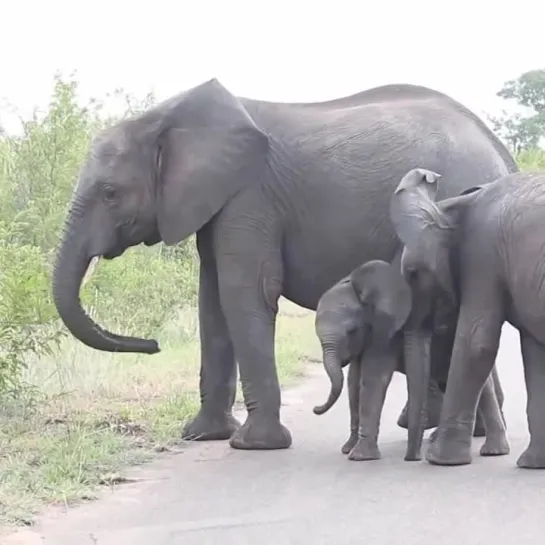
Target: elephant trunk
x=332, y=365
x=71, y=265
x=417, y=368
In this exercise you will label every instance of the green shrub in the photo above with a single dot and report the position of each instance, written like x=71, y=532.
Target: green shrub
x=38, y=170
x=27, y=314
x=140, y=290
x=533, y=159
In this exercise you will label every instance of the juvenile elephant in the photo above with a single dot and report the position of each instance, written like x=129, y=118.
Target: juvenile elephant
x=479, y=250
x=360, y=321
x=286, y=199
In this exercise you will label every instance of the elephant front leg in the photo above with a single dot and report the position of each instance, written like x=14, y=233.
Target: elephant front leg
x=375, y=377
x=218, y=374
x=353, y=403
x=533, y=356
x=249, y=294
x=473, y=357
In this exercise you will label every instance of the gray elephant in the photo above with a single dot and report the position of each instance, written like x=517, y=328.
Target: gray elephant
x=359, y=321
x=460, y=249
x=286, y=199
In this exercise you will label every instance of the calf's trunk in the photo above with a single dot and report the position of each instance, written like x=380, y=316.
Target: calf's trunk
x=334, y=371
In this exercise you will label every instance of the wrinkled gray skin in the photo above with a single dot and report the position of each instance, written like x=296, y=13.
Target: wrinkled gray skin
x=438, y=238
x=286, y=199
x=428, y=271
x=359, y=321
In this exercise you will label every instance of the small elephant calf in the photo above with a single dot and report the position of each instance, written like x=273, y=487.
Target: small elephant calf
x=359, y=321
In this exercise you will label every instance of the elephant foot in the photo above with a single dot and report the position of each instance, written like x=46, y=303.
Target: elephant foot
x=206, y=428
x=364, y=449
x=261, y=433
x=450, y=447
x=495, y=445
x=412, y=454
x=533, y=457
x=349, y=445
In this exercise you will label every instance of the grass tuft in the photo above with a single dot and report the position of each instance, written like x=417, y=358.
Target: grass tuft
x=84, y=415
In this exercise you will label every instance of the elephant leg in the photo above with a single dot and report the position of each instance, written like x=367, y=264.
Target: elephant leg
x=375, y=377
x=499, y=392
x=480, y=430
x=473, y=357
x=533, y=356
x=250, y=286
x=435, y=401
x=440, y=353
x=496, y=443
x=353, y=403
x=218, y=374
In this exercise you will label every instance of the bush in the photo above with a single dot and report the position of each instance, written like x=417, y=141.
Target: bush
x=139, y=291
x=26, y=310
x=38, y=170
x=533, y=159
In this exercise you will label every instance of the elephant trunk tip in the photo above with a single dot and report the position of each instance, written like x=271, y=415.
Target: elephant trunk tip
x=320, y=409
x=145, y=346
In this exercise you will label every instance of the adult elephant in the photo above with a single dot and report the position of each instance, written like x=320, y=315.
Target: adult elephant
x=285, y=199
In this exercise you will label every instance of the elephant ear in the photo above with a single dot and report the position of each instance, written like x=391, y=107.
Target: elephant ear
x=383, y=291
x=427, y=230
x=209, y=150
x=413, y=209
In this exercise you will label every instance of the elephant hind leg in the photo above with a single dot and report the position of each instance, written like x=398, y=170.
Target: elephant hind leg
x=533, y=356
x=435, y=401
x=496, y=443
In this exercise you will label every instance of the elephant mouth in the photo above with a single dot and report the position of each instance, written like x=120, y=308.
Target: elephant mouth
x=152, y=240
x=112, y=254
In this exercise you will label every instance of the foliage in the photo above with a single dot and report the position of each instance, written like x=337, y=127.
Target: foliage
x=38, y=170
x=523, y=131
x=25, y=308
x=532, y=159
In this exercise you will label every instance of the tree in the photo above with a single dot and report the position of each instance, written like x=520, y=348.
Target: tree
x=523, y=131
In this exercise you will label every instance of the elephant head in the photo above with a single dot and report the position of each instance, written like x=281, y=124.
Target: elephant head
x=365, y=310
x=159, y=176
x=429, y=231
x=342, y=332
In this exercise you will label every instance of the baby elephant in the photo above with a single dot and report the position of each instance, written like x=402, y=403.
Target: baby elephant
x=359, y=321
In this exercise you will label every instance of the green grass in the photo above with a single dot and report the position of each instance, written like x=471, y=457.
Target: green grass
x=90, y=414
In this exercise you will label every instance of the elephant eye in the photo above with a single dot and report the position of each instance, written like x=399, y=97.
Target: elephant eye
x=109, y=192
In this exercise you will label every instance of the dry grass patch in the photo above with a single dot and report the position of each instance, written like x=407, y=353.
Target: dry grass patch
x=89, y=413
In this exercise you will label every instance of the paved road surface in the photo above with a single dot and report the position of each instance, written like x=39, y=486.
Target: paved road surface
x=310, y=494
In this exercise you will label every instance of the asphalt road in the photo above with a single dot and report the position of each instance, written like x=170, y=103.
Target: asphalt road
x=311, y=494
